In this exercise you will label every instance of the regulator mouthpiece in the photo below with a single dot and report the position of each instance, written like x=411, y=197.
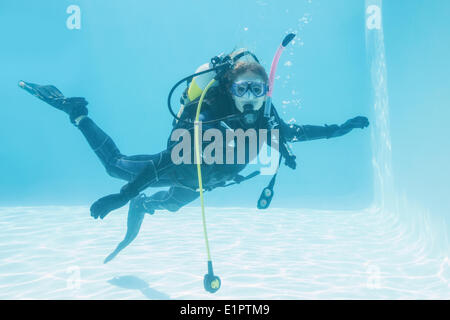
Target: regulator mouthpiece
x=249, y=116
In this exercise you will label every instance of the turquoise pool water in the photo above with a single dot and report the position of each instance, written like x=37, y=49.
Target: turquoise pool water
x=364, y=216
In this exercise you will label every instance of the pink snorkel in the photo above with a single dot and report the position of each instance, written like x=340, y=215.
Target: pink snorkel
x=273, y=69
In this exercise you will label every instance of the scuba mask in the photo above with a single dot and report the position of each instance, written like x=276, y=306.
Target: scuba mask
x=257, y=88
x=248, y=94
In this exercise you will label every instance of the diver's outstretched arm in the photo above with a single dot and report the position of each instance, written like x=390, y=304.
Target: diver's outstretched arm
x=294, y=132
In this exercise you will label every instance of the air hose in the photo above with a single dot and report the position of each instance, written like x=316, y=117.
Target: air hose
x=211, y=282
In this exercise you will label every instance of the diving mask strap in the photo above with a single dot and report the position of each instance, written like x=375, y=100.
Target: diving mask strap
x=245, y=53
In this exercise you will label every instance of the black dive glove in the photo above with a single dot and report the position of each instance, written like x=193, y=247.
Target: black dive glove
x=337, y=131
x=111, y=202
x=105, y=205
x=357, y=122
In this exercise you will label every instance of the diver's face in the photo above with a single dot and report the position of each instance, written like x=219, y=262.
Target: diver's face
x=249, y=92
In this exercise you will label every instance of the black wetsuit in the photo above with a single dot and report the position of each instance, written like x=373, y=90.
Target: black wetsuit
x=182, y=180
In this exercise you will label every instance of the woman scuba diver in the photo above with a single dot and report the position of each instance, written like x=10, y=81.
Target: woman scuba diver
x=238, y=100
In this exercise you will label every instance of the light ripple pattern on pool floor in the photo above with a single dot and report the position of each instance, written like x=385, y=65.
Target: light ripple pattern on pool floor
x=57, y=253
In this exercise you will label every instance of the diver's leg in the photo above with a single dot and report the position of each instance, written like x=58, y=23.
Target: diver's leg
x=136, y=213
x=74, y=107
x=159, y=171
x=116, y=164
x=172, y=200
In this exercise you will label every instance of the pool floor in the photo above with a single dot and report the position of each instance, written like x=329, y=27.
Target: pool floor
x=57, y=253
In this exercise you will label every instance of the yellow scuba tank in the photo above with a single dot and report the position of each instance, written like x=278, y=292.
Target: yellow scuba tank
x=199, y=83
x=196, y=86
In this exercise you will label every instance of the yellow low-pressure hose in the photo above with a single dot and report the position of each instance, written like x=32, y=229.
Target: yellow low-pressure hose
x=197, y=156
